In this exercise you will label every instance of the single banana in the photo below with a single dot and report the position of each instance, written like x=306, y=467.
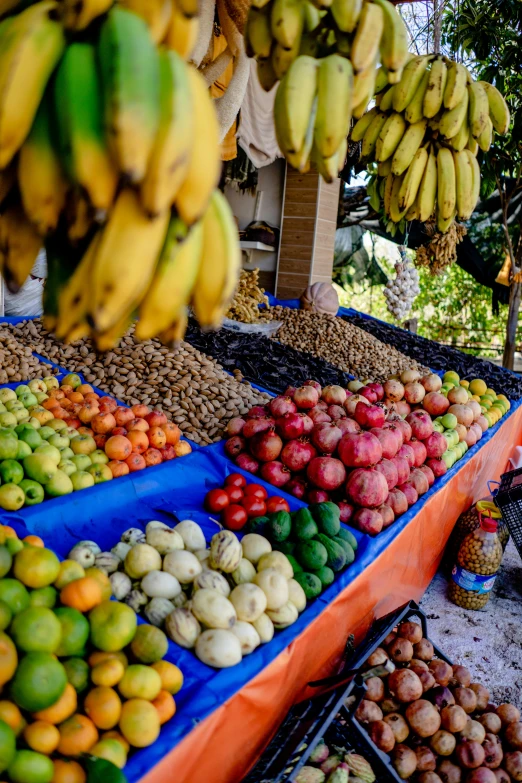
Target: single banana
x=381, y=79
x=412, y=213
x=456, y=84
x=459, y=141
x=362, y=125
x=78, y=14
x=293, y=104
x=79, y=216
x=125, y=260
x=7, y=181
x=258, y=33
x=409, y=144
x=390, y=136
x=446, y=185
x=75, y=296
x=20, y=243
x=205, y=159
x=412, y=179
x=301, y=160
x=334, y=104
x=384, y=168
x=173, y=280
x=396, y=213
x=30, y=48
x=388, y=186
x=188, y=8
x=311, y=16
x=129, y=66
x=41, y=179
x=472, y=145
x=411, y=78
x=367, y=37
x=176, y=331
x=156, y=13
x=498, y=108
x=266, y=74
x=283, y=58
x=443, y=224
x=363, y=90
x=286, y=20
x=182, y=32
x=220, y=263
x=451, y=121
x=109, y=339
x=394, y=42
x=372, y=134
x=415, y=109
x=328, y=168
x=486, y=137
x=434, y=94
x=78, y=109
x=464, y=184
x=427, y=194
x=386, y=103
x=475, y=193
x=169, y=161
x=346, y=14
x=478, y=108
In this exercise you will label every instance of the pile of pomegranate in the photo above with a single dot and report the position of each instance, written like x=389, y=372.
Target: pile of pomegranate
x=371, y=448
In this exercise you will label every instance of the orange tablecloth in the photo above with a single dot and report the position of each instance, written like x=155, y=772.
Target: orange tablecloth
x=225, y=745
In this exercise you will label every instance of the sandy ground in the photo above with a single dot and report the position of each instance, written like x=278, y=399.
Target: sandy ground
x=488, y=642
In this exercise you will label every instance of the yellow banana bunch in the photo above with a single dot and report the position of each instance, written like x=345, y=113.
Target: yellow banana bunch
x=78, y=14
x=156, y=13
x=182, y=30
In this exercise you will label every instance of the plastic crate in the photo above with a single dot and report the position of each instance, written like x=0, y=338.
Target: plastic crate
x=508, y=498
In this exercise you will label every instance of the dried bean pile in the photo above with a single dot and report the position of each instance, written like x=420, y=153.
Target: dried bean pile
x=190, y=387
x=17, y=362
x=442, y=357
x=341, y=343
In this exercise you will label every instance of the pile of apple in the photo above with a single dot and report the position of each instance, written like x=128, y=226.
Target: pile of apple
x=372, y=448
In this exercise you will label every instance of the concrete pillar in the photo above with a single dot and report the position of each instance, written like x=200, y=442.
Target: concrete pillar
x=308, y=228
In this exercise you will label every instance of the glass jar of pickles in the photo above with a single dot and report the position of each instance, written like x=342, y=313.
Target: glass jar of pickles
x=478, y=561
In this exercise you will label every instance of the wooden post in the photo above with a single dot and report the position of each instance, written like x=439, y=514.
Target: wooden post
x=515, y=295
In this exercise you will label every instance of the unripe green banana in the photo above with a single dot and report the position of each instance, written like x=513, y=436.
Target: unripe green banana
x=346, y=14
x=428, y=188
x=410, y=143
x=390, y=136
x=410, y=80
x=434, y=94
x=446, y=185
x=456, y=84
x=451, y=121
x=312, y=16
x=478, y=108
x=367, y=37
x=498, y=108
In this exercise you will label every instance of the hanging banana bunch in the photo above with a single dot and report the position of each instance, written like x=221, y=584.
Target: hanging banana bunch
x=110, y=157
x=423, y=136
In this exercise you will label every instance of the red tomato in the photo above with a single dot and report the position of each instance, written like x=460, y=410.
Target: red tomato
x=275, y=503
x=234, y=493
x=256, y=490
x=216, y=500
x=234, y=517
x=236, y=480
x=254, y=506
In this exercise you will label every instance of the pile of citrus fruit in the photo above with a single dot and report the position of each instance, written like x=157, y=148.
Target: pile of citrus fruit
x=77, y=674
x=57, y=439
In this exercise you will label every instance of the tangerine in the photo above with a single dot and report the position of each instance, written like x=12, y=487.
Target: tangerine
x=77, y=735
x=30, y=767
x=118, y=468
x=150, y=644
x=39, y=681
x=61, y=709
x=139, y=723
x=33, y=541
x=10, y=714
x=113, y=734
x=75, y=631
x=171, y=676
x=82, y=594
x=140, y=682
x=70, y=570
x=103, y=580
x=36, y=567
x=77, y=671
x=98, y=656
x=165, y=705
x=42, y=737
x=68, y=771
x=8, y=658
x=103, y=706
x=108, y=672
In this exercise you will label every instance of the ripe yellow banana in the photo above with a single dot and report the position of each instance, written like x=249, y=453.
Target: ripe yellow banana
x=293, y=104
x=478, y=108
x=446, y=185
x=451, y=121
x=428, y=188
x=301, y=160
x=156, y=13
x=459, y=141
x=475, y=193
x=108, y=339
x=372, y=134
x=388, y=186
x=384, y=168
x=412, y=213
x=220, y=263
x=498, y=108
x=287, y=19
x=456, y=84
x=7, y=180
x=411, y=78
x=472, y=145
x=182, y=32
x=266, y=74
x=188, y=8
x=75, y=296
x=30, y=49
x=258, y=32
x=79, y=216
x=396, y=213
x=169, y=161
x=334, y=103
x=415, y=109
x=176, y=331
x=434, y=94
x=409, y=144
x=363, y=90
x=367, y=36
x=444, y=223
x=19, y=246
x=386, y=103
x=362, y=125
x=464, y=184
x=412, y=179
x=394, y=42
x=328, y=168
x=129, y=66
x=381, y=79
x=173, y=280
x=390, y=136
x=78, y=14
x=346, y=14
x=125, y=259
x=486, y=137
x=205, y=160
x=283, y=58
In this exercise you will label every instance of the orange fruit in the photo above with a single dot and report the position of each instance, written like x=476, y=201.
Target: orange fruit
x=82, y=594
x=102, y=579
x=68, y=771
x=98, y=656
x=165, y=705
x=77, y=735
x=108, y=672
x=62, y=709
x=118, y=447
x=42, y=737
x=152, y=457
x=135, y=462
x=113, y=734
x=75, y=396
x=171, y=676
x=138, y=441
x=70, y=570
x=11, y=715
x=103, y=706
x=172, y=432
x=33, y=541
x=140, y=682
x=111, y=750
x=84, y=388
x=118, y=468
x=8, y=658
x=139, y=723
x=9, y=532
x=36, y=567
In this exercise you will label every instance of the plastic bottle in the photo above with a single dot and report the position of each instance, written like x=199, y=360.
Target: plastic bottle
x=478, y=561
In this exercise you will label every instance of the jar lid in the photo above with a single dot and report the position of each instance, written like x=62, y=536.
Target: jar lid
x=488, y=524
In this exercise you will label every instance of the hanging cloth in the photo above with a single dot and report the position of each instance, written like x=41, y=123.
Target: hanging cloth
x=217, y=90
x=256, y=134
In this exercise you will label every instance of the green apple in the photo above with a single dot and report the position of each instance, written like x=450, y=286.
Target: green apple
x=67, y=466
x=11, y=472
x=81, y=480
x=449, y=421
x=46, y=431
x=99, y=457
x=82, y=461
x=22, y=389
x=438, y=427
x=70, y=432
x=51, y=382
x=49, y=451
x=59, y=485
x=12, y=497
x=28, y=399
x=83, y=444
x=7, y=394
x=72, y=380
x=100, y=473
x=60, y=441
x=34, y=423
x=23, y=450
x=41, y=397
x=21, y=415
x=29, y=435
x=8, y=444
x=40, y=467
x=66, y=453
x=57, y=425
x=37, y=385
x=8, y=420
x=34, y=492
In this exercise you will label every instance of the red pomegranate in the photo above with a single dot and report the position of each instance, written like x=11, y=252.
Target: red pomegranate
x=321, y=406
x=275, y=473
x=386, y=512
x=402, y=408
x=289, y=392
x=314, y=384
x=359, y=449
x=367, y=487
x=235, y=426
x=436, y=444
x=398, y=502
x=405, y=428
x=389, y=471
x=257, y=412
x=389, y=442
x=347, y=511
x=435, y=403
x=368, y=521
x=431, y=383
x=394, y=390
x=414, y=392
x=326, y=436
x=437, y=466
x=296, y=455
x=336, y=412
x=378, y=389
x=247, y=462
x=370, y=394
x=326, y=472
x=411, y=493
x=403, y=468
x=255, y=426
x=419, y=452
x=290, y=426
x=428, y=473
x=348, y=425
x=369, y=415
x=308, y=424
x=318, y=416
x=333, y=395
x=407, y=452
x=421, y=424
x=235, y=446
x=266, y=446
x=306, y=397
x=419, y=481
x=395, y=430
x=279, y=406
x=317, y=496
x=296, y=487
